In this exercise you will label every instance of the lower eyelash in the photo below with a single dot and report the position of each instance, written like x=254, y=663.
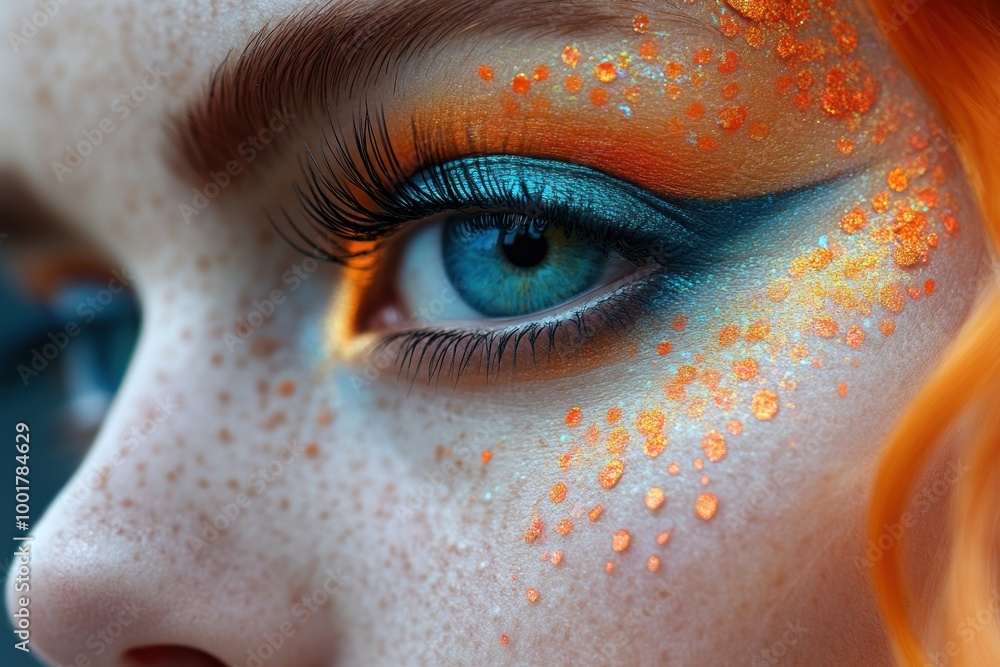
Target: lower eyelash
x=430, y=354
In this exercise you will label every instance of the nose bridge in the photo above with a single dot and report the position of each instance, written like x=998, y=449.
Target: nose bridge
x=182, y=512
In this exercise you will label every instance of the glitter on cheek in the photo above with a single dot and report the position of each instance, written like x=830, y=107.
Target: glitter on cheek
x=557, y=557
x=558, y=493
x=655, y=498
x=595, y=513
x=621, y=540
x=521, y=84
x=674, y=468
x=605, y=72
x=611, y=473
x=598, y=97
x=504, y=639
x=574, y=416
x=640, y=23
x=714, y=446
x=614, y=415
x=663, y=538
x=706, y=506
x=764, y=404
x=564, y=527
x=541, y=73
x=734, y=426
x=653, y=563
x=571, y=56
x=486, y=456
x=531, y=595
x=485, y=73
x=534, y=529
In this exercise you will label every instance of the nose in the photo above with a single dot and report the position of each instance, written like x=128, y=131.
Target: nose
x=164, y=551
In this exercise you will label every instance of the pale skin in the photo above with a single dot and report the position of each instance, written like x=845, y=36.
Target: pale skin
x=198, y=421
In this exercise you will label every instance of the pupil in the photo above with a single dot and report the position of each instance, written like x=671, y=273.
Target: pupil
x=525, y=249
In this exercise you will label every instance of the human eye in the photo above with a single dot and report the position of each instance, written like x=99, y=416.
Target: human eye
x=496, y=262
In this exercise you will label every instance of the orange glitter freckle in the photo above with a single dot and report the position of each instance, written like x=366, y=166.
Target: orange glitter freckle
x=611, y=473
x=730, y=90
x=556, y=558
x=621, y=540
x=887, y=325
x=655, y=498
x=655, y=445
x=929, y=286
x=757, y=331
x=825, y=327
x=614, y=415
x=592, y=435
x=605, y=72
x=803, y=100
x=521, y=84
x=745, y=369
x=699, y=464
x=640, y=23
x=564, y=527
x=787, y=46
x=880, y=202
x=617, y=440
x=673, y=91
x=663, y=538
x=732, y=118
x=558, y=492
x=799, y=351
x=674, y=468
x=950, y=223
x=648, y=50
x=854, y=221
x=649, y=422
x=485, y=72
x=729, y=61
x=695, y=110
x=595, y=513
x=534, y=529
x=714, y=446
x=286, y=388
x=728, y=26
x=855, y=336
x=574, y=416
x=532, y=595
x=541, y=73
x=609, y=568
x=845, y=146
x=757, y=131
x=672, y=70
x=598, y=97
x=892, y=298
x=764, y=404
x=571, y=56
x=703, y=55
x=312, y=450
x=574, y=84
x=679, y=323
x=728, y=335
x=897, y=179
x=663, y=348
x=842, y=389
x=653, y=563
x=754, y=36
x=504, y=639
x=706, y=506
x=707, y=144
x=734, y=426
x=486, y=456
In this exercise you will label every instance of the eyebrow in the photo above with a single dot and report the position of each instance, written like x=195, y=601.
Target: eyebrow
x=320, y=56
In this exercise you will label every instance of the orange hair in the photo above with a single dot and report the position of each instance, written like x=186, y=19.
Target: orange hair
x=953, y=49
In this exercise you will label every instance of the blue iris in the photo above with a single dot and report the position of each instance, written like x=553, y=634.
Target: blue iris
x=510, y=272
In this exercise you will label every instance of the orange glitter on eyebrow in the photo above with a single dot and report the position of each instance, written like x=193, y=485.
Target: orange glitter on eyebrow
x=662, y=538
x=655, y=445
x=648, y=50
x=745, y=369
x=842, y=389
x=532, y=595
x=534, y=529
x=557, y=557
x=728, y=335
x=706, y=506
x=854, y=221
x=504, y=639
x=617, y=440
x=595, y=513
x=574, y=416
x=674, y=468
x=605, y=72
x=655, y=498
x=611, y=473
x=703, y=55
x=486, y=456
x=485, y=72
x=734, y=426
x=640, y=23
x=897, y=179
x=653, y=563
x=855, y=336
x=558, y=492
x=598, y=97
x=731, y=118
x=541, y=73
x=714, y=446
x=764, y=404
x=621, y=540
x=571, y=56
x=521, y=84
x=614, y=415
x=729, y=61
x=564, y=527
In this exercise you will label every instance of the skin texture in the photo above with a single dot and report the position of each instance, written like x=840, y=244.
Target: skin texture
x=438, y=578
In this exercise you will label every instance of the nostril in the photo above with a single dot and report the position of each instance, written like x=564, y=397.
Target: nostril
x=169, y=656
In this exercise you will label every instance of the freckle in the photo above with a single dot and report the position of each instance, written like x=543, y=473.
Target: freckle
x=706, y=506
x=757, y=131
x=485, y=73
x=816, y=363
x=611, y=473
x=609, y=567
x=674, y=468
x=757, y=331
x=649, y=422
x=274, y=421
x=648, y=50
x=929, y=286
x=729, y=61
x=621, y=540
x=950, y=223
x=707, y=144
x=730, y=90
x=728, y=335
x=745, y=369
x=312, y=450
x=557, y=557
x=541, y=73
x=734, y=426
x=655, y=498
x=504, y=639
x=653, y=563
x=663, y=348
x=605, y=72
x=531, y=596
x=283, y=504
x=521, y=83
x=564, y=527
x=855, y=336
x=845, y=146
x=699, y=464
x=825, y=327
x=932, y=240
x=486, y=456
x=127, y=502
x=880, y=202
x=663, y=538
x=558, y=492
x=534, y=529
x=673, y=91
x=592, y=435
x=897, y=179
x=574, y=416
x=764, y=404
x=574, y=84
x=598, y=97
x=887, y=325
x=673, y=70
x=286, y=388
x=695, y=110
x=614, y=414
x=731, y=118
x=803, y=100
x=842, y=389
x=595, y=513
x=655, y=445
x=714, y=446
x=891, y=298
x=571, y=56
x=223, y=397
x=617, y=440
x=324, y=418
x=854, y=221
x=728, y=26
x=703, y=55
x=225, y=437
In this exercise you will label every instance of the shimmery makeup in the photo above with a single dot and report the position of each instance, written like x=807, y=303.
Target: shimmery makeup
x=706, y=506
x=621, y=540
